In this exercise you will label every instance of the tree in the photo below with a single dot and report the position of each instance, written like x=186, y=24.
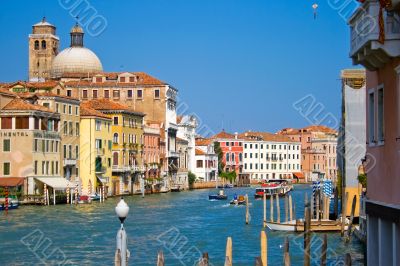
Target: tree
x=192, y=177
x=229, y=176
x=362, y=178
x=218, y=151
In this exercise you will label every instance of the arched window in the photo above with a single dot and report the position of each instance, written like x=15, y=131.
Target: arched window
x=240, y=157
x=227, y=157
x=115, y=158
x=233, y=157
x=115, y=139
x=43, y=45
x=36, y=45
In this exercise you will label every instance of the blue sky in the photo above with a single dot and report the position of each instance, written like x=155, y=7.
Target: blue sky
x=238, y=64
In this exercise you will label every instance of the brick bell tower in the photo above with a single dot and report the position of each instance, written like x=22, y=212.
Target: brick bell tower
x=43, y=47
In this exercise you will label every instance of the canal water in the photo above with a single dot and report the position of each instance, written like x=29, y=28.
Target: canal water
x=181, y=224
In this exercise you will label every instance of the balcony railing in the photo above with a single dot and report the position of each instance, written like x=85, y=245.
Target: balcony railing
x=100, y=169
x=173, y=154
x=69, y=162
x=121, y=169
x=365, y=46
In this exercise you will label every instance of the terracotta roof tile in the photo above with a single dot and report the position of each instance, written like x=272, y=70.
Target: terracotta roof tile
x=142, y=79
x=108, y=105
x=200, y=152
x=223, y=135
x=203, y=142
x=86, y=111
x=20, y=104
x=34, y=85
x=265, y=136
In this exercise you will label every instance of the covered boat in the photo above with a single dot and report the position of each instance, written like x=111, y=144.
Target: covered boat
x=220, y=196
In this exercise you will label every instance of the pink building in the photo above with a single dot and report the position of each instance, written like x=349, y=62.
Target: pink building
x=377, y=49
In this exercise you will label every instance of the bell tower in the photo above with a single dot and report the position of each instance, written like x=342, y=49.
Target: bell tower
x=43, y=47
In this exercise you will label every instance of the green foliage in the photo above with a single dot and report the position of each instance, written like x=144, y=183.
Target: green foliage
x=192, y=177
x=229, y=176
x=362, y=178
x=218, y=151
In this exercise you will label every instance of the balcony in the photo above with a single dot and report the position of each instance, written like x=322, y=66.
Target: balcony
x=173, y=154
x=100, y=151
x=121, y=169
x=100, y=169
x=69, y=162
x=365, y=46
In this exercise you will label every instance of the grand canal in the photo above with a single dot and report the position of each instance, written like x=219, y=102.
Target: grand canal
x=85, y=234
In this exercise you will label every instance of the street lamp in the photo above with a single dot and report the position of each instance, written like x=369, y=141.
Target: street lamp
x=122, y=253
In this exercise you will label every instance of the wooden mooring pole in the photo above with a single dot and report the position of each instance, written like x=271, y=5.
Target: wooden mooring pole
x=344, y=211
x=336, y=204
x=278, y=209
x=264, y=248
x=160, y=259
x=290, y=208
x=307, y=236
x=247, y=210
x=347, y=261
x=265, y=210
x=271, y=209
x=228, y=253
x=204, y=260
x=286, y=208
x=286, y=254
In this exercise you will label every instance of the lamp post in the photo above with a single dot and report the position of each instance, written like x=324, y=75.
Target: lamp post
x=122, y=252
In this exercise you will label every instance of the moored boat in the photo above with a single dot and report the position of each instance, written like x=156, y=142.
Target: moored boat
x=13, y=203
x=298, y=226
x=220, y=196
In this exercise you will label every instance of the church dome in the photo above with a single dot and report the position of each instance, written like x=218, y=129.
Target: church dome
x=75, y=60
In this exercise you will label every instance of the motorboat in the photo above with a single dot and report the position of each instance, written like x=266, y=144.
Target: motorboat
x=13, y=203
x=272, y=188
x=241, y=200
x=220, y=196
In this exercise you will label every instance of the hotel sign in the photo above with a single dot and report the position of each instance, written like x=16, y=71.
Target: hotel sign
x=14, y=134
x=46, y=135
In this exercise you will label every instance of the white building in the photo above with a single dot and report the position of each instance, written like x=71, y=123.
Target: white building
x=270, y=156
x=206, y=161
x=187, y=130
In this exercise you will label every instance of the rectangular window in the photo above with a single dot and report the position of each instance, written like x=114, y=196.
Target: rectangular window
x=6, y=145
x=56, y=148
x=84, y=94
x=115, y=93
x=371, y=118
x=47, y=145
x=121, y=79
x=98, y=125
x=56, y=167
x=37, y=122
x=69, y=151
x=69, y=93
x=70, y=109
x=157, y=94
x=77, y=128
x=106, y=94
x=6, y=123
x=131, y=79
x=64, y=109
x=65, y=151
x=76, y=152
x=380, y=116
x=65, y=128
x=6, y=168
x=35, y=167
x=199, y=163
x=130, y=94
x=139, y=94
x=115, y=120
x=71, y=129
x=35, y=145
x=94, y=94
x=43, y=167
x=99, y=79
x=52, y=167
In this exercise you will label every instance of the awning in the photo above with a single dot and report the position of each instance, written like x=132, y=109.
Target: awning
x=57, y=182
x=102, y=179
x=299, y=175
x=11, y=181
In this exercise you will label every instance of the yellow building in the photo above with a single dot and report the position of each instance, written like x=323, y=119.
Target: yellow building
x=127, y=145
x=95, y=154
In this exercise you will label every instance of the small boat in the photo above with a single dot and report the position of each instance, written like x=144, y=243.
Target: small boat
x=241, y=200
x=220, y=196
x=298, y=226
x=228, y=186
x=13, y=203
x=176, y=188
x=94, y=197
x=83, y=199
